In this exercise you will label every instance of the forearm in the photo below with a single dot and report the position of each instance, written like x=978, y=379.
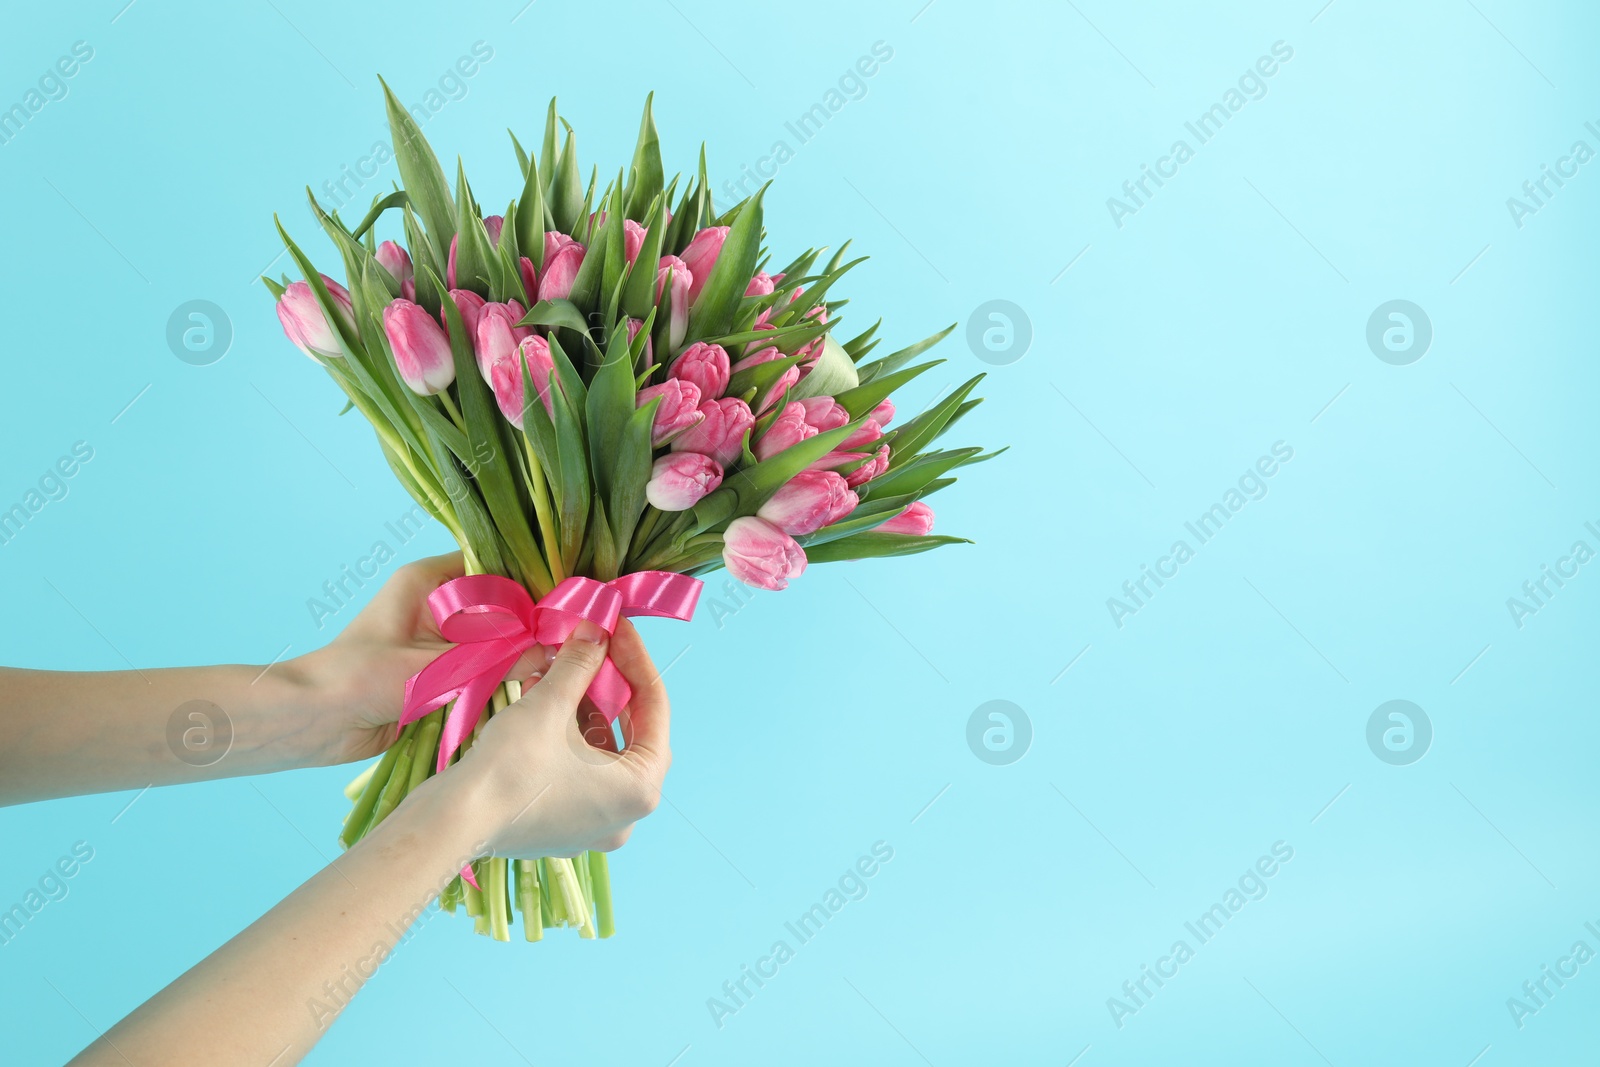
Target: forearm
x=66, y=734
x=270, y=993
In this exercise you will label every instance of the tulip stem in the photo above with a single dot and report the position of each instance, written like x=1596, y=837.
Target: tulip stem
x=542, y=508
x=455, y=413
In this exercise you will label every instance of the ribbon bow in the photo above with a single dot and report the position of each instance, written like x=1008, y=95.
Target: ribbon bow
x=493, y=620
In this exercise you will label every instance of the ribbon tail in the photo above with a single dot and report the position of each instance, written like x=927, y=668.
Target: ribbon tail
x=610, y=690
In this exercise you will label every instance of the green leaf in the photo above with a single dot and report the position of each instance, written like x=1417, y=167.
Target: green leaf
x=713, y=310
x=631, y=473
x=615, y=246
x=872, y=545
x=863, y=398
x=921, y=431
x=573, y=459
x=566, y=188
x=645, y=184
x=607, y=561
x=610, y=406
x=395, y=199
x=586, y=286
x=761, y=378
x=917, y=473
x=476, y=268
x=832, y=375
x=555, y=313
x=547, y=147
x=639, y=296
x=896, y=360
x=420, y=172
x=530, y=214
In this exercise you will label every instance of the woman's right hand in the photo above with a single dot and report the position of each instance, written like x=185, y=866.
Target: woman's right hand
x=538, y=782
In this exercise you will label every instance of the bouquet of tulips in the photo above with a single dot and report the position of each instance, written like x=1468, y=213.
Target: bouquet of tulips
x=595, y=396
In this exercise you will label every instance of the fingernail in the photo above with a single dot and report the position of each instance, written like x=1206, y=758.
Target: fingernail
x=589, y=633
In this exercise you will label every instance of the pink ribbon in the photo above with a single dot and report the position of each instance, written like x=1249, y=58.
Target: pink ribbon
x=493, y=620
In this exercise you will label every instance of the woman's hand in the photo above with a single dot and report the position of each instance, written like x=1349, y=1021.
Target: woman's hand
x=358, y=679
x=544, y=777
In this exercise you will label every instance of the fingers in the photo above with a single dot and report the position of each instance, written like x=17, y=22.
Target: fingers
x=427, y=574
x=574, y=668
x=649, y=710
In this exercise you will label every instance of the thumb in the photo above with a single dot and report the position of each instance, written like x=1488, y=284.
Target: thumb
x=575, y=665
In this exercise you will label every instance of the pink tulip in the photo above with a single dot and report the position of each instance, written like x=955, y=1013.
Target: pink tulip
x=679, y=409
x=915, y=519
x=304, y=322
x=562, y=258
x=498, y=335
x=788, y=429
x=493, y=225
x=633, y=236
x=808, y=502
x=761, y=285
x=701, y=256
x=706, y=366
x=680, y=480
x=870, y=469
x=505, y=378
x=774, y=392
x=394, y=259
x=530, y=278
x=682, y=280
x=756, y=345
x=825, y=413
x=421, y=349
x=720, y=431
x=812, y=350
x=883, y=414
x=470, y=305
x=634, y=326
x=862, y=436
x=758, y=553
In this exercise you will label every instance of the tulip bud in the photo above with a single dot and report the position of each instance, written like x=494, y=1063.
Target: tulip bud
x=883, y=414
x=633, y=236
x=825, y=413
x=679, y=409
x=394, y=259
x=915, y=519
x=421, y=349
x=774, y=392
x=680, y=480
x=870, y=469
x=530, y=278
x=305, y=324
x=761, y=285
x=862, y=436
x=493, y=225
x=758, y=553
x=498, y=335
x=701, y=257
x=505, y=379
x=705, y=365
x=634, y=326
x=562, y=258
x=789, y=428
x=808, y=502
x=469, y=304
x=720, y=431
x=682, y=281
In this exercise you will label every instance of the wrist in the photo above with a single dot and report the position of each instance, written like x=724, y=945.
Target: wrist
x=308, y=700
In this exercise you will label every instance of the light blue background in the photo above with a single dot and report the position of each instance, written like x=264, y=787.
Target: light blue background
x=1229, y=313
